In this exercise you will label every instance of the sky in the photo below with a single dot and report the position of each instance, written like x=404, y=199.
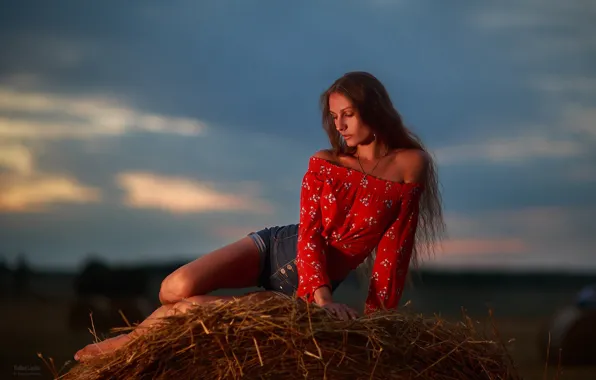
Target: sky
x=142, y=131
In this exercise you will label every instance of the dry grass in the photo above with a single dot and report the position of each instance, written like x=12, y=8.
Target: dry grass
x=256, y=338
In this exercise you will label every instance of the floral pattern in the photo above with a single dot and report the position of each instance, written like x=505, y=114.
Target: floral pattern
x=344, y=215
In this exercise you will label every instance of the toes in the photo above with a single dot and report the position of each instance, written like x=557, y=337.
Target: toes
x=87, y=351
x=105, y=346
x=82, y=354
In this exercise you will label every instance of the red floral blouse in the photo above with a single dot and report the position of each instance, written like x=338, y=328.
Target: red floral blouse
x=344, y=215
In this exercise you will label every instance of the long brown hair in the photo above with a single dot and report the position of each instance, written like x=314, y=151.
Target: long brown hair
x=376, y=110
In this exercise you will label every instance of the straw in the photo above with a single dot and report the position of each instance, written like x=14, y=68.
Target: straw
x=285, y=338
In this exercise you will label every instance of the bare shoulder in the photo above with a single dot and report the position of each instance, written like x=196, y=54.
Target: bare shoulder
x=413, y=163
x=325, y=154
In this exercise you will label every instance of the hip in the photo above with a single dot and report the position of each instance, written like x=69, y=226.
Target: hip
x=278, y=248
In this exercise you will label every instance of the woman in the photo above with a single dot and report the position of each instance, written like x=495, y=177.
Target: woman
x=374, y=190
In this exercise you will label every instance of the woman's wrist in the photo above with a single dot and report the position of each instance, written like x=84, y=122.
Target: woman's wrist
x=323, y=295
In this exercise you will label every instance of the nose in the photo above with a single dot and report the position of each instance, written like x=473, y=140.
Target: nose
x=340, y=124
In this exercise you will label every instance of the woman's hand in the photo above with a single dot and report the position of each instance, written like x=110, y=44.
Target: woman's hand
x=341, y=311
x=324, y=299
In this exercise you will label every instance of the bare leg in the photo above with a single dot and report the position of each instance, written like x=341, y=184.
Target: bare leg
x=116, y=342
x=233, y=266
x=230, y=267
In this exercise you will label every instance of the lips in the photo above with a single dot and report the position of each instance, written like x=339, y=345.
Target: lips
x=346, y=136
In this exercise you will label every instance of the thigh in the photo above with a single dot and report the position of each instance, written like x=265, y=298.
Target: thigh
x=233, y=266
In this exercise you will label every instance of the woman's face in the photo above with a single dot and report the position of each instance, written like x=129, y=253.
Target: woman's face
x=347, y=120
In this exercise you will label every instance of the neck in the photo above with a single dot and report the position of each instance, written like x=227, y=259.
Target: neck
x=371, y=152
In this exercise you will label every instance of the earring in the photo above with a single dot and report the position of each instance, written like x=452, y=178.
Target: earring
x=374, y=136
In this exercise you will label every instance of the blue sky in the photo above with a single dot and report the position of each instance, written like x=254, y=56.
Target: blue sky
x=146, y=131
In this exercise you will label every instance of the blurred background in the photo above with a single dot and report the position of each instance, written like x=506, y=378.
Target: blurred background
x=136, y=136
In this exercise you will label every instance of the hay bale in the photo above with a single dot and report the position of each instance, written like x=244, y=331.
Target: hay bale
x=279, y=337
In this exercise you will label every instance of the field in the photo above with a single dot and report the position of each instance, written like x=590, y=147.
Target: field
x=33, y=326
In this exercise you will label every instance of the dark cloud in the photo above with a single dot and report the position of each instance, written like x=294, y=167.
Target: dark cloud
x=473, y=187
x=248, y=67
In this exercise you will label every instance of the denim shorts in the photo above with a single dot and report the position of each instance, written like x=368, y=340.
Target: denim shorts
x=277, y=248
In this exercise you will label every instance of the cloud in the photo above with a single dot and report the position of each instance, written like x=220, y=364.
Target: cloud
x=36, y=115
x=531, y=222
x=493, y=19
x=36, y=193
x=536, y=39
x=509, y=150
x=181, y=195
x=24, y=189
x=537, y=237
x=387, y=3
x=572, y=136
x=580, y=120
x=580, y=84
x=542, y=31
x=583, y=173
x=16, y=158
x=516, y=15
x=22, y=80
x=482, y=246
x=54, y=50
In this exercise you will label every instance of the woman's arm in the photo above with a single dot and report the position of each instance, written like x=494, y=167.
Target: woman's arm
x=323, y=296
x=395, y=247
x=311, y=261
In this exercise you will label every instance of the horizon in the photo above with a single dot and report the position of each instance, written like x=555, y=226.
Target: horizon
x=439, y=269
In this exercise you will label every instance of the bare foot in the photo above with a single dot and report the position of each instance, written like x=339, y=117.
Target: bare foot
x=105, y=346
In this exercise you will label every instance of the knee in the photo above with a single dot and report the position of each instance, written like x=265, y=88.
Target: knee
x=176, y=287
